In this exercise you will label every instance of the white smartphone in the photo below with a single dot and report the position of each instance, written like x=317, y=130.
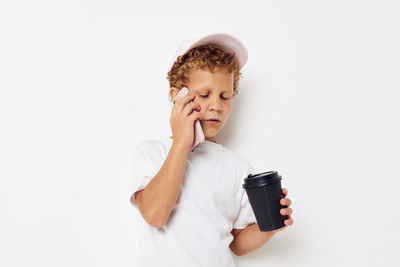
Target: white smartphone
x=198, y=131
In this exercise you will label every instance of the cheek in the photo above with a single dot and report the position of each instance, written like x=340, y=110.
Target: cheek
x=227, y=108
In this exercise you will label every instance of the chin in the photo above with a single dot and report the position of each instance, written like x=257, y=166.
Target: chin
x=210, y=133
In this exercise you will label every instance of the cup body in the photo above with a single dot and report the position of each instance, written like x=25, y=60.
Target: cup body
x=264, y=191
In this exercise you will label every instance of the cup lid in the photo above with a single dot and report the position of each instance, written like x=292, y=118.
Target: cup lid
x=261, y=179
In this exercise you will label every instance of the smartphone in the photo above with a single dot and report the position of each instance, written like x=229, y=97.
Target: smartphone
x=198, y=131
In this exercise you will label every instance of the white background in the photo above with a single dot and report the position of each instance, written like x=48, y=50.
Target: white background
x=83, y=82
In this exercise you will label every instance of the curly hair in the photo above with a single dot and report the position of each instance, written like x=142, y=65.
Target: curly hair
x=205, y=57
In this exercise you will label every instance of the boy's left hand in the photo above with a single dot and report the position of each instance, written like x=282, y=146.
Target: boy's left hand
x=286, y=211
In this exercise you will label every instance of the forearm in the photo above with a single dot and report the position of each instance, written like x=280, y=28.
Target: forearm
x=160, y=195
x=249, y=239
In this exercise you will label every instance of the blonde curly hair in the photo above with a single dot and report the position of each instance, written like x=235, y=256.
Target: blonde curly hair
x=205, y=57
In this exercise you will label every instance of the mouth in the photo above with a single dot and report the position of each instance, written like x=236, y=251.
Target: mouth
x=213, y=121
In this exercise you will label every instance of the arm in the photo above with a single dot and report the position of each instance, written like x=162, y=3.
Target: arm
x=249, y=239
x=157, y=200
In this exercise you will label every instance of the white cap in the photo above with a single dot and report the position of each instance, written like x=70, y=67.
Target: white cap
x=224, y=41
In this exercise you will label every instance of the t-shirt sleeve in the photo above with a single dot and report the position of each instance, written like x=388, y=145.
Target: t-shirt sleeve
x=147, y=161
x=246, y=215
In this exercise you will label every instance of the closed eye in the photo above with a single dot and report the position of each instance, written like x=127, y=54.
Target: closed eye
x=205, y=96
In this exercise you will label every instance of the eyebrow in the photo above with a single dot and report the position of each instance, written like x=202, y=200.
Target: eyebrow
x=206, y=89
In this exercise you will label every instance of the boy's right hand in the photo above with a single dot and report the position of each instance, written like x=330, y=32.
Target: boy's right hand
x=183, y=117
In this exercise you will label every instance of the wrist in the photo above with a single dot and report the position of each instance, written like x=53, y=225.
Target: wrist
x=179, y=146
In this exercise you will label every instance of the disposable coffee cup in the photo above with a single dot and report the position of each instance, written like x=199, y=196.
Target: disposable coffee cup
x=264, y=191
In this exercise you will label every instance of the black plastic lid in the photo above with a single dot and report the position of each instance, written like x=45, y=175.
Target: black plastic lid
x=261, y=179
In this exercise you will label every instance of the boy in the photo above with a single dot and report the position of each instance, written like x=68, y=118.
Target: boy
x=194, y=211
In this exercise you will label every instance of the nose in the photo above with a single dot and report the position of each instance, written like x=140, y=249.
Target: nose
x=215, y=104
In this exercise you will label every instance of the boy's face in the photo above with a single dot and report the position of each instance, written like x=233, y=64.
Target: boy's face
x=214, y=92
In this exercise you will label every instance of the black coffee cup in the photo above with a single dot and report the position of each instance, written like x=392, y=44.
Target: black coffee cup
x=264, y=191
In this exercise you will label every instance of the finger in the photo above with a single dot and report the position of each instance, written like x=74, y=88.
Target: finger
x=182, y=101
x=286, y=211
x=285, y=192
x=289, y=221
x=190, y=107
x=286, y=201
x=196, y=116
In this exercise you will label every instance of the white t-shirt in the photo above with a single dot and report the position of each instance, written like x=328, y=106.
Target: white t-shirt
x=211, y=203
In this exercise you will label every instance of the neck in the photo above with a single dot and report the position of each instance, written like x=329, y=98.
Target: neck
x=211, y=139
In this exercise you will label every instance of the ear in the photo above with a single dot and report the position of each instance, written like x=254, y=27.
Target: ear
x=173, y=92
